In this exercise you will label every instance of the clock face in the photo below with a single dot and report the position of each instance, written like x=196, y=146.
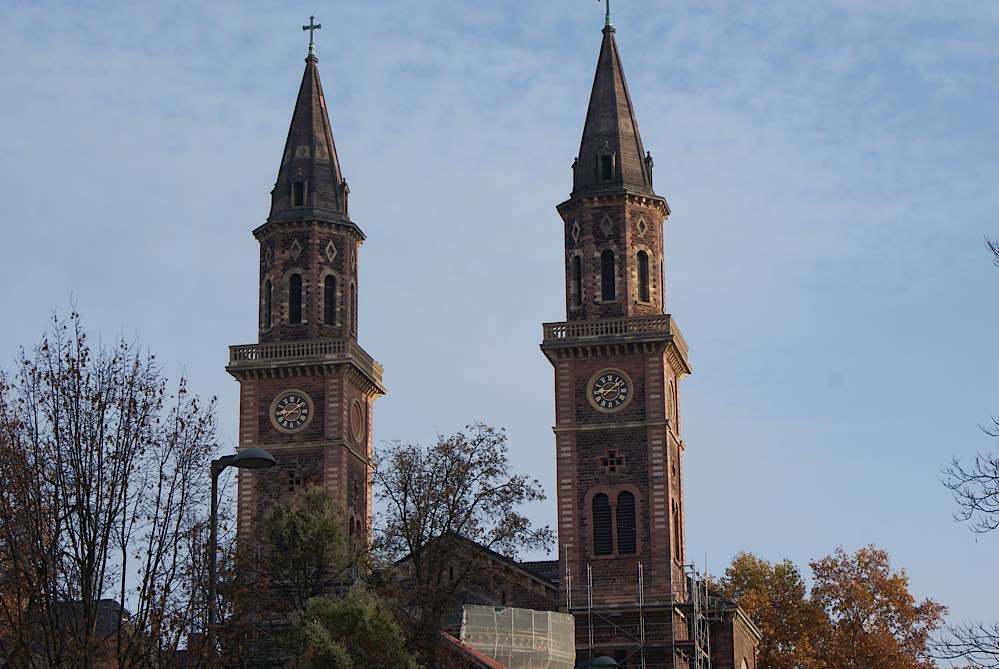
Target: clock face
x=291, y=411
x=610, y=390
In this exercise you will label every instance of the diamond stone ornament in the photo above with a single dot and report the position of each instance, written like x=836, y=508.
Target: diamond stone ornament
x=575, y=232
x=606, y=224
x=296, y=250
x=330, y=251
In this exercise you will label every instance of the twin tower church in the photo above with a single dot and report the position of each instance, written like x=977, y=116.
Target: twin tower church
x=308, y=387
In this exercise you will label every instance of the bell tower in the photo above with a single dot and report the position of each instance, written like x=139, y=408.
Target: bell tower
x=307, y=387
x=618, y=360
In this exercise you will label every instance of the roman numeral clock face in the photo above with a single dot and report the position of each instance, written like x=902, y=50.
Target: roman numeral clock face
x=291, y=411
x=609, y=390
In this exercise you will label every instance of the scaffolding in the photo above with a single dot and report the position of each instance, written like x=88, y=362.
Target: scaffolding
x=671, y=633
x=521, y=638
x=699, y=623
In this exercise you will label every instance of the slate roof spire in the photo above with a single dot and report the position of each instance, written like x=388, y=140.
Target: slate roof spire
x=611, y=157
x=309, y=182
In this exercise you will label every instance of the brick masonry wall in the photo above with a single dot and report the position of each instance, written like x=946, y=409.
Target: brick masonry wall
x=732, y=643
x=625, y=225
x=303, y=248
x=326, y=451
x=641, y=436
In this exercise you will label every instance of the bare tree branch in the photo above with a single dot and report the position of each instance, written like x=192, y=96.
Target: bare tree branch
x=103, y=482
x=459, y=488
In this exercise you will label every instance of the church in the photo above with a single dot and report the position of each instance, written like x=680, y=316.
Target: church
x=308, y=387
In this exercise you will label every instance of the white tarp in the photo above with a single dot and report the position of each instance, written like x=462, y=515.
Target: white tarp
x=521, y=638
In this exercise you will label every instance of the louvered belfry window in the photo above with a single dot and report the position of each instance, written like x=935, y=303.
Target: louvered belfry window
x=627, y=543
x=602, y=537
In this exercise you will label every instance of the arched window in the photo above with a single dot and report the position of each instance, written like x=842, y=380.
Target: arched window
x=295, y=298
x=577, y=281
x=606, y=167
x=329, y=300
x=679, y=529
x=627, y=543
x=353, y=309
x=298, y=193
x=676, y=531
x=267, y=304
x=607, y=293
x=602, y=538
x=643, y=276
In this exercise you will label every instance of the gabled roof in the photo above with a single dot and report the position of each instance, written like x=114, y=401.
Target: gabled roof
x=533, y=570
x=611, y=129
x=310, y=156
x=547, y=569
x=472, y=657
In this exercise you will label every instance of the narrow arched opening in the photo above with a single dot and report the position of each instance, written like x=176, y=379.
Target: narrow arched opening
x=295, y=299
x=607, y=290
x=267, y=305
x=329, y=300
x=643, y=277
x=577, y=281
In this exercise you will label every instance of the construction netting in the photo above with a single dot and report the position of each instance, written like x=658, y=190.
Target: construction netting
x=521, y=638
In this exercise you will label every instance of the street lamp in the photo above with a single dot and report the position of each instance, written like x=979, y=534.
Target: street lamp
x=247, y=458
x=602, y=662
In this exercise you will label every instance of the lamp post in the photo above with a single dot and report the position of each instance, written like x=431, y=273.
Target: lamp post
x=248, y=458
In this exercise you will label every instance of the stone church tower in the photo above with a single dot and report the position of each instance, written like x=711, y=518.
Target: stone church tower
x=618, y=361
x=307, y=387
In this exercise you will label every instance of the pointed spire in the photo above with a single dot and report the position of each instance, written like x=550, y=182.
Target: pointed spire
x=309, y=182
x=611, y=157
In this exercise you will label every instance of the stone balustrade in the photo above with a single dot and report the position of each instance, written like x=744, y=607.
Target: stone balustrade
x=317, y=351
x=593, y=329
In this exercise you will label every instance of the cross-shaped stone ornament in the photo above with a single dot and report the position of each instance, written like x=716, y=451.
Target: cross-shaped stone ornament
x=611, y=461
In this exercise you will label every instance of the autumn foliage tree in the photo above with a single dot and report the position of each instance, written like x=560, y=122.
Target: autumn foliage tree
x=873, y=619
x=858, y=614
x=775, y=596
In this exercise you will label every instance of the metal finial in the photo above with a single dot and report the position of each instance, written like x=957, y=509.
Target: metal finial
x=312, y=28
x=607, y=16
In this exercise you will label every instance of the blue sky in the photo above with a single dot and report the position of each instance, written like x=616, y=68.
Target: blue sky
x=831, y=168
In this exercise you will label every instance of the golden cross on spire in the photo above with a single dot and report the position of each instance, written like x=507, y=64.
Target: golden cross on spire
x=312, y=28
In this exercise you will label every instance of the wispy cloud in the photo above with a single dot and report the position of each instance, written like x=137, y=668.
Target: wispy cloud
x=830, y=169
